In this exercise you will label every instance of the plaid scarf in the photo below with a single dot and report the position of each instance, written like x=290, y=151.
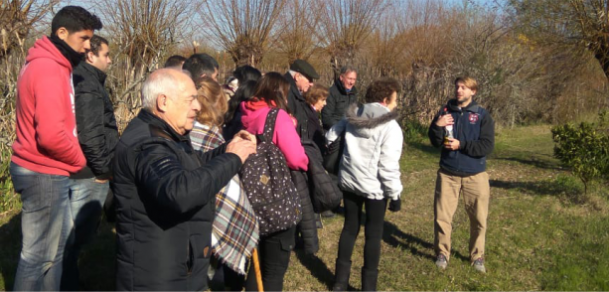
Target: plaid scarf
x=235, y=228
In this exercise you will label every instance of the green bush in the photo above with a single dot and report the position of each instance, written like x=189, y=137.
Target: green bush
x=584, y=148
x=8, y=199
x=414, y=131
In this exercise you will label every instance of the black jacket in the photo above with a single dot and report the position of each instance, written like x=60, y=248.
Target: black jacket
x=97, y=131
x=307, y=226
x=325, y=194
x=475, y=130
x=298, y=107
x=337, y=104
x=165, y=194
x=315, y=131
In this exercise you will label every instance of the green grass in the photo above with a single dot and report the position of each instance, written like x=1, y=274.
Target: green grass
x=543, y=234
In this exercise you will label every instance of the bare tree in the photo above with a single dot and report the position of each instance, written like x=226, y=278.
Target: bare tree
x=298, y=20
x=17, y=17
x=580, y=23
x=345, y=24
x=142, y=31
x=242, y=28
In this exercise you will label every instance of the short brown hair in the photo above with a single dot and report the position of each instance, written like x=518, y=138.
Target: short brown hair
x=213, y=103
x=381, y=89
x=316, y=93
x=469, y=82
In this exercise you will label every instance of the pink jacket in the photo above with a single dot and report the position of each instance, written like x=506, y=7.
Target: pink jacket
x=285, y=136
x=46, y=127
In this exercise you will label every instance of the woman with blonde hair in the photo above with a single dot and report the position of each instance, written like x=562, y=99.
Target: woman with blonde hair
x=235, y=229
x=207, y=132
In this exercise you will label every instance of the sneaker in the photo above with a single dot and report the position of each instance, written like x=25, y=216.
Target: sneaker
x=441, y=262
x=479, y=265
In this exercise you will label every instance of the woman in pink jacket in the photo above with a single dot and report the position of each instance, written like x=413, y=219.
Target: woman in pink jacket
x=271, y=92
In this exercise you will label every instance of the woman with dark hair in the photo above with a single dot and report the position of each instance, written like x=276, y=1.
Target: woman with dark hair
x=369, y=175
x=233, y=116
x=246, y=73
x=275, y=248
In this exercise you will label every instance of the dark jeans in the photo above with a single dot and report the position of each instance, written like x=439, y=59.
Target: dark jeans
x=274, y=254
x=375, y=216
x=86, y=200
x=45, y=224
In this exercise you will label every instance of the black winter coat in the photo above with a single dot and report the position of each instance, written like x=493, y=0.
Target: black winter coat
x=307, y=226
x=315, y=131
x=322, y=188
x=97, y=131
x=337, y=104
x=165, y=195
x=298, y=107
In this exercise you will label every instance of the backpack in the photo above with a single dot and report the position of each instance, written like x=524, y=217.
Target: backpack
x=268, y=183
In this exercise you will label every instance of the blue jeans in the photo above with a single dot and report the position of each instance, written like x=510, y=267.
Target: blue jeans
x=86, y=200
x=45, y=225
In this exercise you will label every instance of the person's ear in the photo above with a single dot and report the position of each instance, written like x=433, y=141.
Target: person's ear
x=62, y=33
x=89, y=56
x=161, y=102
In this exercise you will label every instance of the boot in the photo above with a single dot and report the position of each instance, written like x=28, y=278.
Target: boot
x=369, y=278
x=341, y=280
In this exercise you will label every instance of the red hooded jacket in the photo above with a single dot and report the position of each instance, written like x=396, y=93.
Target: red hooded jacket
x=46, y=127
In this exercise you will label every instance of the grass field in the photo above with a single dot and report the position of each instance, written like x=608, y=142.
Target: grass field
x=543, y=234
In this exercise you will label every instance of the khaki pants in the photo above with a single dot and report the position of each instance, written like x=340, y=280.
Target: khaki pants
x=476, y=194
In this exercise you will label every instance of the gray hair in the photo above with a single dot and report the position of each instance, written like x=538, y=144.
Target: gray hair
x=161, y=81
x=347, y=69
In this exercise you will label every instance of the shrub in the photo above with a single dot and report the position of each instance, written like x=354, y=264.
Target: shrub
x=584, y=148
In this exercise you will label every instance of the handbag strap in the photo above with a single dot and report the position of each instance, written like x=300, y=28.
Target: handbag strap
x=269, y=126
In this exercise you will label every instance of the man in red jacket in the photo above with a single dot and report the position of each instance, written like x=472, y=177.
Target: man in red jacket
x=46, y=150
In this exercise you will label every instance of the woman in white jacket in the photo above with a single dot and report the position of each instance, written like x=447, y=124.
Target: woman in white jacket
x=369, y=175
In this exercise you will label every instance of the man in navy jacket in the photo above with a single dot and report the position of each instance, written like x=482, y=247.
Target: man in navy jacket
x=466, y=133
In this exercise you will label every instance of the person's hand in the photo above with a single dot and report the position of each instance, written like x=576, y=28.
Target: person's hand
x=101, y=181
x=452, y=144
x=242, y=147
x=445, y=120
x=395, y=205
x=245, y=135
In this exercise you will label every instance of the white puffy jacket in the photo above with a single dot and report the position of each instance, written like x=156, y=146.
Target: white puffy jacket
x=370, y=165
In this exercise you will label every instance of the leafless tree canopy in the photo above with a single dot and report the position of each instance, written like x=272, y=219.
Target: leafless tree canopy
x=145, y=28
x=345, y=24
x=583, y=23
x=242, y=28
x=295, y=39
x=17, y=18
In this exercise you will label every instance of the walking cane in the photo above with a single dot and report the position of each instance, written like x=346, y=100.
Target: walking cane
x=257, y=270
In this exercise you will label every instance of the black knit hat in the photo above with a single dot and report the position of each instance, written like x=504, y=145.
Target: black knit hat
x=304, y=68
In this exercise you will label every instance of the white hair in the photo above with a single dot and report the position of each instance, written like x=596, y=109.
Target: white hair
x=162, y=81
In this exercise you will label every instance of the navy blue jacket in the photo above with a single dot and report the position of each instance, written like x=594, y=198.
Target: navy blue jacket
x=475, y=130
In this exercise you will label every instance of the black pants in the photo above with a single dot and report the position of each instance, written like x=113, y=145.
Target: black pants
x=274, y=254
x=375, y=216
